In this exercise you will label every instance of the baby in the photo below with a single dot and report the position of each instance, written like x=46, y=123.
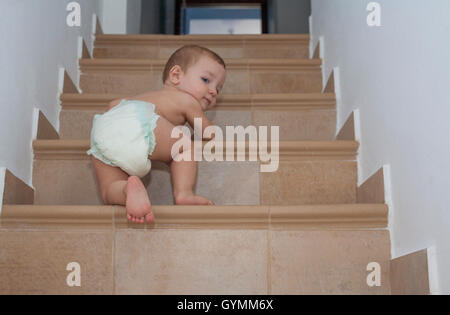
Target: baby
x=138, y=130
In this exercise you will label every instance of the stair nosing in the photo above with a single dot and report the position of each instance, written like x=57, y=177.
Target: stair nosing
x=252, y=64
x=69, y=149
x=204, y=217
x=149, y=39
x=225, y=102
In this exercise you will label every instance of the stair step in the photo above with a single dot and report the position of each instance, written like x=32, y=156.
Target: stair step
x=309, y=172
x=195, y=250
x=227, y=46
x=318, y=217
x=275, y=102
x=299, y=116
x=288, y=150
x=244, y=76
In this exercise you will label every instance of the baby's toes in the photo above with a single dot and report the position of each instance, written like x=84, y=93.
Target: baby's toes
x=150, y=218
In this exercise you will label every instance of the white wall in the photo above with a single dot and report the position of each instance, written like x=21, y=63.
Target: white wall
x=398, y=76
x=36, y=42
x=121, y=16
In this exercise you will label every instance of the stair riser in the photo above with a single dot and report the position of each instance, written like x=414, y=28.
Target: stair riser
x=226, y=52
x=238, y=82
x=294, y=124
x=225, y=183
x=225, y=261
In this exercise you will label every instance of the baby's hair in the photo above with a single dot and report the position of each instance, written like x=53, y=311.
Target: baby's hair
x=187, y=56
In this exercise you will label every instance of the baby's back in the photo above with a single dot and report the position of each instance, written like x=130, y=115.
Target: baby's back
x=168, y=104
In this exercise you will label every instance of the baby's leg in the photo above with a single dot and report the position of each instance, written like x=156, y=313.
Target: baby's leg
x=184, y=173
x=118, y=188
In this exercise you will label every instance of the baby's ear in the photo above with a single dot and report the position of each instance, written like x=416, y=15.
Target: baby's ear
x=175, y=74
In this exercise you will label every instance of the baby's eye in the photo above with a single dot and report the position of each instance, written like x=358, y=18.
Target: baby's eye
x=206, y=80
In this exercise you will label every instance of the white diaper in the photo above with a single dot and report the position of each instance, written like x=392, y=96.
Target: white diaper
x=124, y=136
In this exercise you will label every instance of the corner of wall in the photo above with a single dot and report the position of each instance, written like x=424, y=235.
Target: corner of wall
x=389, y=201
x=311, y=37
x=93, y=32
x=34, y=132
x=79, y=56
x=2, y=186
x=357, y=122
x=433, y=275
x=322, y=57
x=60, y=90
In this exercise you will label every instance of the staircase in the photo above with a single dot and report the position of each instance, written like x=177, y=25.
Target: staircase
x=299, y=230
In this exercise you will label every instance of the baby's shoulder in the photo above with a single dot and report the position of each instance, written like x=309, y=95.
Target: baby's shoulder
x=183, y=98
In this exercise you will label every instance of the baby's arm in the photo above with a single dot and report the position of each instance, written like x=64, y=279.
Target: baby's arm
x=193, y=110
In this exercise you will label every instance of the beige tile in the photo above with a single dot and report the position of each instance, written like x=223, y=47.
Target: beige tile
x=223, y=118
x=72, y=182
x=215, y=180
x=76, y=124
x=237, y=82
x=283, y=51
x=229, y=183
x=327, y=262
x=57, y=217
x=36, y=262
x=299, y=124
x=134, y=83
x=310, y=182
x=191, y=262
x=409, y=274
x=157, y=82
x=308, y=81
x=223, y=51
x=322, y=124
x=131, y=52
x=116, y=83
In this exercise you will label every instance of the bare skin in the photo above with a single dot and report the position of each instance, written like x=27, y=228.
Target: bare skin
x=185, y=96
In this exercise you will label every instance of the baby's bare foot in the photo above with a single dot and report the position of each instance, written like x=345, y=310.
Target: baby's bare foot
x=191, y=199
x=138, y=204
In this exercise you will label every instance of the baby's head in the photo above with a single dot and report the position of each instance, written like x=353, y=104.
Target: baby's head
x=198, y=71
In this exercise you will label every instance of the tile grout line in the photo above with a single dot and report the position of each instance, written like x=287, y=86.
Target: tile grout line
x=113, y=257
x=269, y=254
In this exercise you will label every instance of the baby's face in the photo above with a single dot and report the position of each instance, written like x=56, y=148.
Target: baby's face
x=204, y=81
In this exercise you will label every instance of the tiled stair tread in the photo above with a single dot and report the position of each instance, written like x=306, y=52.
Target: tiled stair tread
x=238, y=102
x=234, y=46
x=76, y=149
x=238, y=63
x=118, y=38
x=201, y=217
